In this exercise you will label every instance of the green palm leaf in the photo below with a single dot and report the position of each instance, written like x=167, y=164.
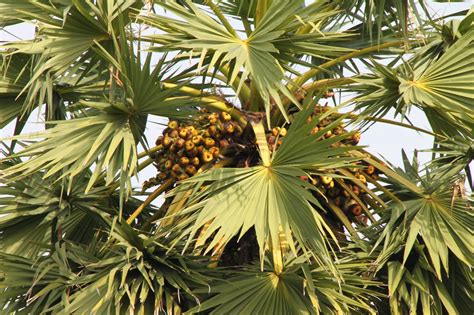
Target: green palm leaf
x=270, y=197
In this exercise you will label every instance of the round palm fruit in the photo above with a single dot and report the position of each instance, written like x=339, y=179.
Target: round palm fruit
x=213, y=118
x=370, y=169
x=209, y=142
x=356, y=137
x=162, y=176
x=159, y=140
x=355, y=209
x=195, y=161
x=173, y=133
x=192, y=130
x=183, y=161
x=179, y=143
x=189, y=145
x=229, y=127
x=238, y=130
x=356, y=189
x=339, y=201
x=206, y=156
x=183, y=177
x=190, y=170
x=173, y=124
x=328, y=134
x=361, y=178
x=168, y=164
x=326, y=180
x=276, y=131
x=183, y=133
x=176, y=168
x=214, y=151
x=224, y=143
x=197, y=140
x=314, y=130
x=212, y=130
x=283, y=131
x=271, y=140
x=225, y=116
x=166, y=142
x=193, y=152
x=338, y=131
x=331, y=184
x=173, y=148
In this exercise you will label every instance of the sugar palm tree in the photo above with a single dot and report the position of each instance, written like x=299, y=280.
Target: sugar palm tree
x=263, y=202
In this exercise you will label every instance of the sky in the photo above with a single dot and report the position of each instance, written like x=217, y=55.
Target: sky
x=383, y=140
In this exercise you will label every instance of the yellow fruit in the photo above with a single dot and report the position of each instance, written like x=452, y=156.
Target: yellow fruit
x=206, y=156
x=214, y=151
x=314, y=130
x=168, y=164
x=173, y=133
x=328, y=134
x=370, y=169
x=326, y=180
x=166, y=142
x=275, y=131
x=362, y=178
x=283, y=132
x=173, y=124
x=192, y=131
x=197, y=140
x=212, y=130
x=189, y=145
x=229, y=127
x=183, y=177
x=195, y=161
x=225, y=116
x=176, y=168
x=190, y=169
x=183, y=133
x=183, y=161
x=209, y=142
x=356, y=137
x=179, y=143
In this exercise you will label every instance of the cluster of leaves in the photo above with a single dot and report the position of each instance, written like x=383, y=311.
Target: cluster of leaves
x=75, y=237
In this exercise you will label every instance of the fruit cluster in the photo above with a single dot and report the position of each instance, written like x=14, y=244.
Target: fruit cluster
x=186, y=147
x=347, y=194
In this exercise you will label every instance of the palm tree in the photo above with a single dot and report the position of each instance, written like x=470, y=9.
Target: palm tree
x=263, y=202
